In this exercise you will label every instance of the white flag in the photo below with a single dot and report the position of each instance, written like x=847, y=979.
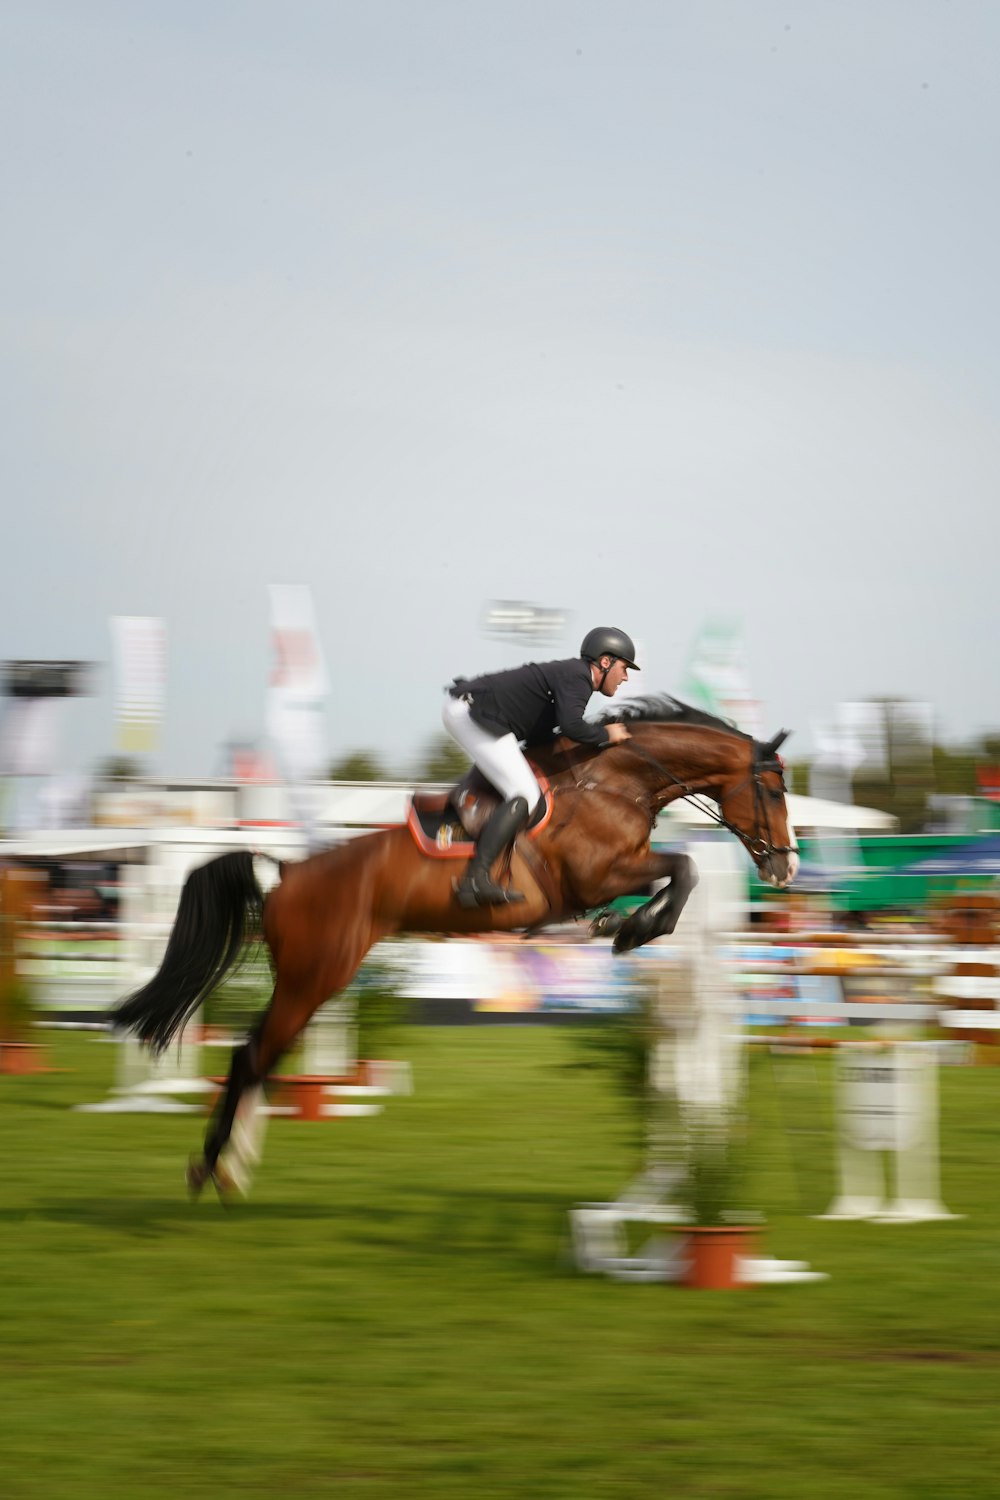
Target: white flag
x=717, y=679
x=296, y=702
x=30, y=736
x=140, y=655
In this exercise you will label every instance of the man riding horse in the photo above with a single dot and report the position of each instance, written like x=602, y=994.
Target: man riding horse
x=493, y=715
x=328, y=911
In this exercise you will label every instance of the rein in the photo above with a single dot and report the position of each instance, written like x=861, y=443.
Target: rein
x=756, y=846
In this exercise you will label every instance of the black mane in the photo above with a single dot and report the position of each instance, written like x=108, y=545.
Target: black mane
x=661, y=708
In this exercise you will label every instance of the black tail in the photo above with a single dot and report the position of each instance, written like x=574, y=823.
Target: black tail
x=220, y=905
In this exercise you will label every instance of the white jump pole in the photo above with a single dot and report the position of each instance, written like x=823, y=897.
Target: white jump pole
x=698, y=1065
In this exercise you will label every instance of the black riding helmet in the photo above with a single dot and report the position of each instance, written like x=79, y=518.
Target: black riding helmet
x=607, y=640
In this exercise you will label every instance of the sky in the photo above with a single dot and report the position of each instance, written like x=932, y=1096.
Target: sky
x=655, y=313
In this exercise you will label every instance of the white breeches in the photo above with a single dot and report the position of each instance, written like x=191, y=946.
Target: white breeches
x=498, y=757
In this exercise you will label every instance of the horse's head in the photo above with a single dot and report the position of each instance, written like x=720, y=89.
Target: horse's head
x=686, y=752
x=754, y=807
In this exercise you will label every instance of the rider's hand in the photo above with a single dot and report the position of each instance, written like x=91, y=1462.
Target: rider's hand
x=617, y=732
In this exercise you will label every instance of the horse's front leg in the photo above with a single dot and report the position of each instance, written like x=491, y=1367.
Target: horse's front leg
x=657, y=917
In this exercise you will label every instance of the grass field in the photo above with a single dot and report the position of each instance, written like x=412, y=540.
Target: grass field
x=394, y=1313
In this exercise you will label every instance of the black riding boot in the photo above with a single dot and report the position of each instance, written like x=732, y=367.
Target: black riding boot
x=476, y=888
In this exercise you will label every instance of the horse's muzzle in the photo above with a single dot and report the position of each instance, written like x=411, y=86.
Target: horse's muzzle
x=779, y=869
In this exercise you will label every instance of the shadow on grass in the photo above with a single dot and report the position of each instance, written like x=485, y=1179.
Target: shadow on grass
x=147, y=1218
x=520, y=1227
x=434, y=1223
x=36, y=1101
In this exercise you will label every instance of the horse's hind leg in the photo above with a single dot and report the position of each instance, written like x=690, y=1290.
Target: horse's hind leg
x=292, y=1005
x=243, y=1075
x=251, y=1061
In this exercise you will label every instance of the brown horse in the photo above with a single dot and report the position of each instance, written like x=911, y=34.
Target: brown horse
x=329, y=910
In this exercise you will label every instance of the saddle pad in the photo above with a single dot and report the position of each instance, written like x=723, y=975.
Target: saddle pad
x=435, y=828
x=438, y=833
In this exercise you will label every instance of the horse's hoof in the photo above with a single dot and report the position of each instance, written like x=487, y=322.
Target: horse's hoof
x=626, y=941
x=225, y=1183
x=196, y=1176
x=606, y=924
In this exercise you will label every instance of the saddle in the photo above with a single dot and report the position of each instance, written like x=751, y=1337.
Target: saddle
x=445, y=825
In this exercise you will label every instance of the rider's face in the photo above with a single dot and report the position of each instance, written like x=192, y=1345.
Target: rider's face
x=616, y=675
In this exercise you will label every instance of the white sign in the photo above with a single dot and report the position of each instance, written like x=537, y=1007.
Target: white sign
x=869, y=1100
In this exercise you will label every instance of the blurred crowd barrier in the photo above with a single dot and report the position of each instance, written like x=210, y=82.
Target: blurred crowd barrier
x=78, y=973
x=98, y=925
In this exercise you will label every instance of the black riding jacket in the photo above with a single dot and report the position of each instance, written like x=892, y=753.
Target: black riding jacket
x=532, y=701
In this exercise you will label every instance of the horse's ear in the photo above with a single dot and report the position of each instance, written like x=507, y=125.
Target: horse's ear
x=772, y=747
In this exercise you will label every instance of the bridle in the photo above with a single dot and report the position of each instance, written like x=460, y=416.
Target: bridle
x=759, y=845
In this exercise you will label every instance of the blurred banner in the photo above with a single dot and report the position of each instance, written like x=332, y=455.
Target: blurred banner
x=47, y=679
x=716, y=677
x=296, y=702
x=139, y=645
x=507, y=975
x=30, y=736
x=531, y=625
x=34, y=711
x=842, y=744
x=33, y=714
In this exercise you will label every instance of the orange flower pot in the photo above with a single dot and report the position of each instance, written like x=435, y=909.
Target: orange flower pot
x=714, y=1254
x=21, y=1058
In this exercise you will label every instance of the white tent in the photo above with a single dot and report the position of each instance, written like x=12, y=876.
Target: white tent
x=806, y=813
